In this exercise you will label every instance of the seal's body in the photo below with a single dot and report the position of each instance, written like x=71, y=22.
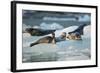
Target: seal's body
x=38, y=32
x=47, y=39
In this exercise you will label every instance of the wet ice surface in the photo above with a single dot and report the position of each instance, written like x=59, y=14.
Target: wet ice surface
x=61, y=51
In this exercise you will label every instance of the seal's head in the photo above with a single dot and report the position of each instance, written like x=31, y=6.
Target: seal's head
x=74, y=36
x=63, y=35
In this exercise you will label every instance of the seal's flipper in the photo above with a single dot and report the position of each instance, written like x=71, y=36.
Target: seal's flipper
x=79, y=29
x=32, y=44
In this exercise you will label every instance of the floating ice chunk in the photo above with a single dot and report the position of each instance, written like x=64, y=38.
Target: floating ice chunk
x=87, y=31
x=25, y=26
x=36, y=27
x=51, y=26
x=26, y=35
x=85, y=18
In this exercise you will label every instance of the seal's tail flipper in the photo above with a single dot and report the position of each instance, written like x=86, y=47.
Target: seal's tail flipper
x=79, y=29
x=32, y=44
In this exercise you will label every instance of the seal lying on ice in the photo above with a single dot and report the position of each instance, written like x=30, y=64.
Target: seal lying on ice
x=50, y=39
x=76, y=34
x=38, y=32
x=46, y=39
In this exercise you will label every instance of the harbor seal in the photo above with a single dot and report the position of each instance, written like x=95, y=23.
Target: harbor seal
x=62, y=37
x=76, y=34
x=47, y=39
x=38, y=32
